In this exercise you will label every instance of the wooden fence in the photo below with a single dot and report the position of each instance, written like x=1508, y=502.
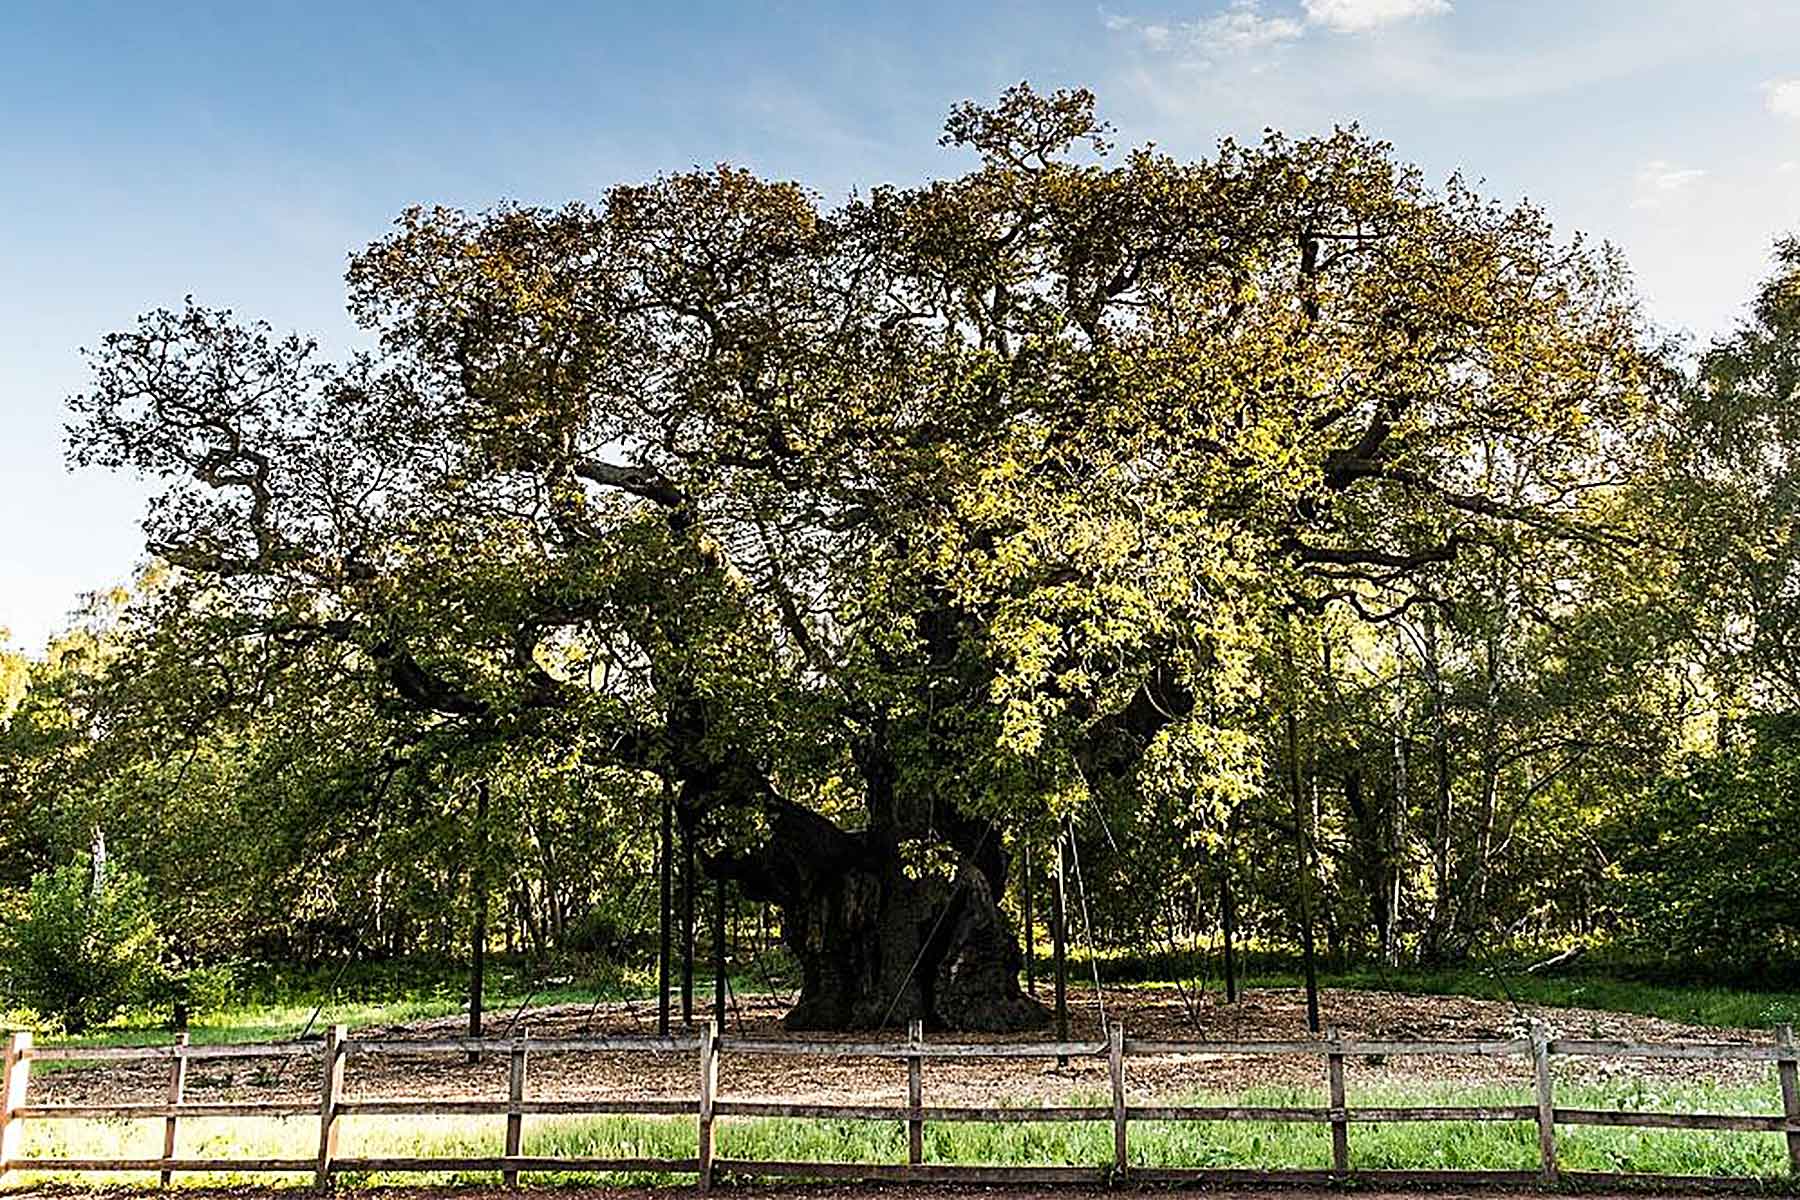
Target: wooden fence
x=708, y=1107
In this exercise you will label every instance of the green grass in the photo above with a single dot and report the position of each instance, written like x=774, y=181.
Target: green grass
x=1250, y=1145
x=277, y=1006
x=1694, y=1005
x=1613, y=986
x=274, y=1022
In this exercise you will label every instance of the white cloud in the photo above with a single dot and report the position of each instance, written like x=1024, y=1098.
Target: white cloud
x=1783, y=98
x=1242, y=27
x=1657, y=181
x=1355, y=16
x=1430, y=60
x=1238, y=29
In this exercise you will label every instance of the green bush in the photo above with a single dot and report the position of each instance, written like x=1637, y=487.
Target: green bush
x=1708, y=871
x=78, y=956
x=193, y=990
x=208, y=989
x=610, y=931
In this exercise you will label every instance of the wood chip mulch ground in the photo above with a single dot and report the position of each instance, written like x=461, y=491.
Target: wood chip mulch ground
x=1263, y=1014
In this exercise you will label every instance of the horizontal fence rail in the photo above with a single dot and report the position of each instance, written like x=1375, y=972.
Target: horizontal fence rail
x=333, y=1053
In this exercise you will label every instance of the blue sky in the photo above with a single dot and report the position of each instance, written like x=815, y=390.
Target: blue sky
x=238, y=151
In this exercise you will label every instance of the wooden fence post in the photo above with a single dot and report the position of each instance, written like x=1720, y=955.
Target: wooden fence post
x=15, y=1074
x=709, y=1087
x=1340, y=1119
x=331, y=1093
x=915, y=1098
x=515, y=1099
x=1546, y=1102
x=1115, y=1065
x=1789, y=1071
x=177, y=1085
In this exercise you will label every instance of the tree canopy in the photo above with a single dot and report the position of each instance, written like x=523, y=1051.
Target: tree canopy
x=1091, y=487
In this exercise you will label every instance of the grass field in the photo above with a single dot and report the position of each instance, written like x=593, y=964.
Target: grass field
x=1724, y=1007
x=283, y=1009
x=1612, y=985
x=1261, y=1145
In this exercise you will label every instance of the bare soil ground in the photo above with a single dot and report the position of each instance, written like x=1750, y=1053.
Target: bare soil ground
x=1145, y=1013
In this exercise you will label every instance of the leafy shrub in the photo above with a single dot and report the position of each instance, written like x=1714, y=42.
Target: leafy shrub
x=195, y=989
x=1708, y=870
x=79, y=956
x=208, y=989
x=610, y=932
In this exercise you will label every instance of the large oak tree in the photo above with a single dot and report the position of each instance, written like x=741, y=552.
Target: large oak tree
x=885, y=530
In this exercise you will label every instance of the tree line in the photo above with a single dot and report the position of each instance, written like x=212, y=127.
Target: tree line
x=1278, y=548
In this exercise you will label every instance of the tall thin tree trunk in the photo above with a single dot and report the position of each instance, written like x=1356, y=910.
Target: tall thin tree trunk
x=556, y=916
x=665, y=871
x=719, y=978
x=478, y=931
x=1370, y=827
x=1228, y=919
x=534, y=937
x=1440, y=754
x=1030, y=922
x=1059, y=919
x=377, y=909
x=1396, y=855
x=1302, y=824
x=97, y=862
x=1228, y=903
x=687, y=928
x=1500, y=591
x=1476, y=907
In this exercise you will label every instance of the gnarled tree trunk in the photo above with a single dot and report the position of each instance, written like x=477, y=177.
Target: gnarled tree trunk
x=878, y=948
x=879, y=945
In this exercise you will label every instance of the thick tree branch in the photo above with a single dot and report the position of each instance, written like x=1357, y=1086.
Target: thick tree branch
x=645, y=482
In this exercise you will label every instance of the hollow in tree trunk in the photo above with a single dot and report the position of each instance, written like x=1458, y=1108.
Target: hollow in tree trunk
x=878, y=944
